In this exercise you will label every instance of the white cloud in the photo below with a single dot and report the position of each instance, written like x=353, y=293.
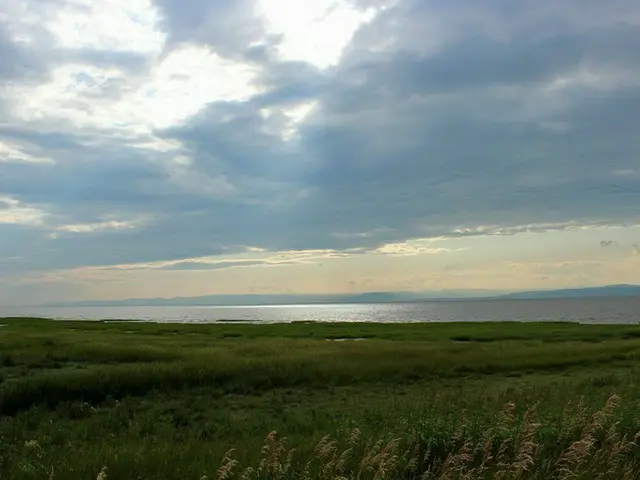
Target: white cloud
x=251, y=257
x=23, y=20
x=413, y=247
x=99, y=226
x=180, y=86
x=73, y=94
x=13, y=211
x=109, y=25
x=594, y=77
x=284, y=121
x=212, y=186
x=12, y=153
x=188, y=79
x=316, y=32
x=296, y=115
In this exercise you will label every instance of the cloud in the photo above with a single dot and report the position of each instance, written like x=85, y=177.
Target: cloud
x=210, y=266
x=608, y=243
x=95, y=227
x=192, y=130
x=412, y=247
x=14, y=212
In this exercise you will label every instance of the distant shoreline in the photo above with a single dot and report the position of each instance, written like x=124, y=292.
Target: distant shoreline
x=610, y=291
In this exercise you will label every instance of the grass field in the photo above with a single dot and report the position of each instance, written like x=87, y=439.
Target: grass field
x=129, y=400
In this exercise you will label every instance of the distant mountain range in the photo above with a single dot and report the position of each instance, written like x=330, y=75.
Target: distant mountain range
x=370, y=297
x=283, y=299
x=606, y=291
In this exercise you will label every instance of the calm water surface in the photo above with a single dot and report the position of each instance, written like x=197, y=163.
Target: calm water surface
x=592, y=310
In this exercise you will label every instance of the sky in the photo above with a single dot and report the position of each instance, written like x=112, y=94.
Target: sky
x=195, y=147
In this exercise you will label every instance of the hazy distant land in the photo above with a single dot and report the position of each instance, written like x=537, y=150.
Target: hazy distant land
x=370, y=297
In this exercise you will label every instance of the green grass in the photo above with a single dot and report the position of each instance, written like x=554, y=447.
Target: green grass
x=166, y=401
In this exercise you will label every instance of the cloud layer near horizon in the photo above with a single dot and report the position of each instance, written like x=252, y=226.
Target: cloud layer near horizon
x=137, y=131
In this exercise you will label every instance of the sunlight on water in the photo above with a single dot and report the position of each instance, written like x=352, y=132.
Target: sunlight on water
x=593, y=310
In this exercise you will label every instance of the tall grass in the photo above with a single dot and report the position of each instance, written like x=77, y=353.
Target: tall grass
x=584, y=445
x=588, y=446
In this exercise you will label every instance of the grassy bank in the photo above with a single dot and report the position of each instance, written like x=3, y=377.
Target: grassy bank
x=169, y=401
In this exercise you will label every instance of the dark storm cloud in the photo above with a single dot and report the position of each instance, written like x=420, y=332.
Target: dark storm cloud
x=470, y=136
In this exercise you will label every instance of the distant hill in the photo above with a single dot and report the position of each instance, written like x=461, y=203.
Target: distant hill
x=606, y=291
x=368, y=297
x=281, y=299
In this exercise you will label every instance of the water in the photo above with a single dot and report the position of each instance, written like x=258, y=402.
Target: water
x=591, y=310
